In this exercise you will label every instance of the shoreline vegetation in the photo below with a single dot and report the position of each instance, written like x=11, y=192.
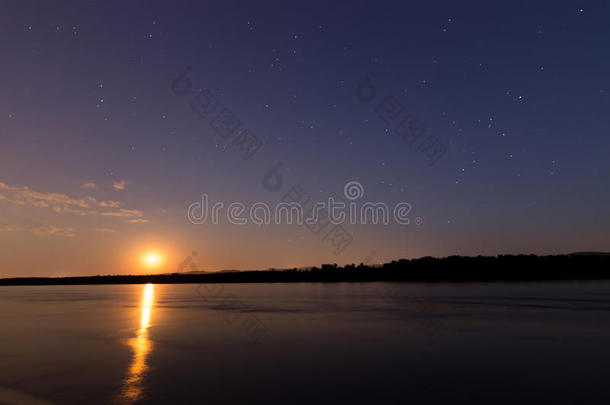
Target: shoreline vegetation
x=575, y=266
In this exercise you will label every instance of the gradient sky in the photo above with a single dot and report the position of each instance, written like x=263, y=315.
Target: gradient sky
x=100, y=159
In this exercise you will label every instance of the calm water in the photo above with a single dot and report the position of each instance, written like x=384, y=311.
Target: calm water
x=306, y=343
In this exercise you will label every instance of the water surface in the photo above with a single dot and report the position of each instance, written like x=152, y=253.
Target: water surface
x=306, y=343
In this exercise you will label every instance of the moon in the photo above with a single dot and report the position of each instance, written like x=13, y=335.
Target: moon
x=153, y=259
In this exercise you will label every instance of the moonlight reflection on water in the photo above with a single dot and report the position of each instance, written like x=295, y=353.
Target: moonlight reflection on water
x=133, y=383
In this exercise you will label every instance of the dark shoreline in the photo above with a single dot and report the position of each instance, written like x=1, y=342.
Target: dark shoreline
x=427, y=269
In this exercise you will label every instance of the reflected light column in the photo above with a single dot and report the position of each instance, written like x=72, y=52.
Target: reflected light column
x=141, y=345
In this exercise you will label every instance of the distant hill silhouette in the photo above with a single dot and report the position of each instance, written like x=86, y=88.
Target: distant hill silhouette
x=206, y=272
x=578, y=266
x=590, y=254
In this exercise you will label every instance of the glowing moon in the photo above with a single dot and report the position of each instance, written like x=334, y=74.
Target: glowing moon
x=152, y=259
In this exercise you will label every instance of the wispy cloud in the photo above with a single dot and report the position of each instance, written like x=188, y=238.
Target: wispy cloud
x=49, y=230
x=11, y=228
x=89, y=186
x=112, y=204
x=125, y=213
x=138, y=221
x=62, y=203
x=42, y=230
x=37, y=199
x=120, y=185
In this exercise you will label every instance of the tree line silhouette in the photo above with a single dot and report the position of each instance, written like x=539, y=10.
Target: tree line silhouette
x=426, y=269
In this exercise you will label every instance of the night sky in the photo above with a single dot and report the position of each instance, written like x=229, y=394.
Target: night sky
x=101, y=156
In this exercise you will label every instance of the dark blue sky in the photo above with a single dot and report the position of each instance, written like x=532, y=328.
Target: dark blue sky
x=516, y=93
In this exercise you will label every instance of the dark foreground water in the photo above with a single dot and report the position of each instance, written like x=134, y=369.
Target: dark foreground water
x=306, y=343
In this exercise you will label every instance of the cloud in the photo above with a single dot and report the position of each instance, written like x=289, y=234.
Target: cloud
x=48, y=230
x=37, y=199
x=42, y=230
x=123, y=213
x=112, y=204
x=62, y=203
x=11, y=228
x=106, y=230
x=137, y=221
x=89, y=186
x=120, y=185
